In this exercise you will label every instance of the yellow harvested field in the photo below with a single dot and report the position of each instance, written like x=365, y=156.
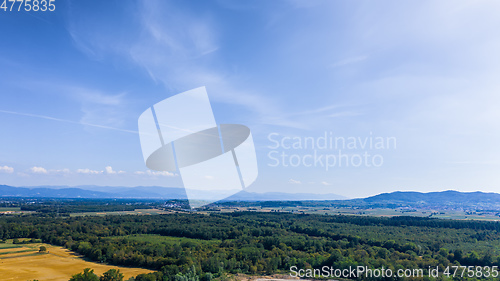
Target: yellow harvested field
x=26, y=263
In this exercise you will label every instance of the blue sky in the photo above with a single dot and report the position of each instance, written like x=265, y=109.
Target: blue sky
x=425, y=73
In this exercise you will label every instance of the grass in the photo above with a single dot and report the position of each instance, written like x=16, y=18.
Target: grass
x=135, y=212
x=9, y=209
x=26, y=263
x=9, y=246
x=158, y=239
x=385, y=212
x=16, y=252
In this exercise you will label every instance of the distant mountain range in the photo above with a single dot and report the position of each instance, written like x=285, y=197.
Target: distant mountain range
x=282, y=196
x=93, y=192
x=400, y=198
x=151, y=192
x=449, y=197
x=10, y=191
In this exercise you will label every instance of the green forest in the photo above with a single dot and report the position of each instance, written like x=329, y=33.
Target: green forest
x=194, y=246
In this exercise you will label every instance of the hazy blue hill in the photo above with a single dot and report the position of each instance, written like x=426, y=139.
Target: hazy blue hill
x=90, y=191
x=10, y=191
x=141, y=191
x=443, y=197
x=95, y=192
x=399, y=198
x=282, y=196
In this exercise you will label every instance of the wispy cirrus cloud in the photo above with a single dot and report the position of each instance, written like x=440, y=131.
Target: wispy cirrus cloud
x=99, y=108
x=349, y=60
x=180, y=58
x=67, y=121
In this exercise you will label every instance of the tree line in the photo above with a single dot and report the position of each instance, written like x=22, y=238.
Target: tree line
x=209, y=246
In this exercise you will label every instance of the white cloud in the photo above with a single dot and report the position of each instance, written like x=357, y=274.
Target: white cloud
x=35, y=170
x=109, y=170
x=88, y=171
x=292, y=181
x=38, y=170
x=6, y=169
x=160, y=173
x=325, y=183
x=155, y=173
x=62, y=171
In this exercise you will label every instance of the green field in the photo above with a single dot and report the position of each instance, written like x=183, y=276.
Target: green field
x=159, y=239
x=9, y=209
x=260, y=243
x=117, y=213
x=382, y=212
x=9, y=246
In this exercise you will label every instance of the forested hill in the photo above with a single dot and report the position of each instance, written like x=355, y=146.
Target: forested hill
x=435, y=198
